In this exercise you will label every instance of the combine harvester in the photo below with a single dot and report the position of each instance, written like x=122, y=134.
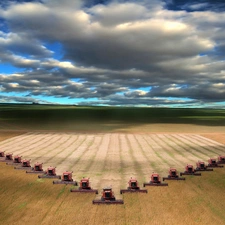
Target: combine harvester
x=155, y=181
x=2, y=154
x=108, y=197
x=84, y=187
x=16, y=161
x=24, y=165
x=200, y=166
x=66, y=179
x=36, y=169
x=189, y=170
x=173, y=175
x=7, y=157
x=213, y=163
x=50, y=173
x=133, y=187
x=221, y=159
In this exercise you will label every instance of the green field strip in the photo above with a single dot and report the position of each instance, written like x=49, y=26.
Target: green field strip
x=193, y=144
x=156, y=140
x=137, y=164
x=154, y=165
x=92, y=158
x=210, y=148
x=97, y=169
x=188, y=148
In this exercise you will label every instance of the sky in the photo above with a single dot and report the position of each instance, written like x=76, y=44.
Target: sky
x=154, y=53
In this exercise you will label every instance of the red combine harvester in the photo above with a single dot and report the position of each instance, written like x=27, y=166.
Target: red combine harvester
x=213, y=163
x=2, y=154
x=17, y=160
x=133, y=187
x=173, y=175
x=108, y=197
x=36, y=169
x=189, y=170
x=200, y=166
x=84, y=186
x=50, y=173
x=66, y=179
x=25, y=164
x=8, y=157
x=221, y=159
x=155, y=181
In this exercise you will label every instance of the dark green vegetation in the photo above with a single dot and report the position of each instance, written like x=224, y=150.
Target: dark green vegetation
x=102, y=118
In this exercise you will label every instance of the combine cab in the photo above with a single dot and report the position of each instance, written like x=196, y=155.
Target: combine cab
x=2, y=154
x=66, y=179
x=25, y=164
x=85, y=187
x=155, y=181
x=133, y=187
x=189, y=170
x=108, y=197
x=17, y=160
x=213, y=163
x=50, y=173
x=173, y=175
x=221, y=160
x=8, y=157
x=200, y=166
x=36, y=169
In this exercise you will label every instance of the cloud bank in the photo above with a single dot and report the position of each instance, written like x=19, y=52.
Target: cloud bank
x=113, y=52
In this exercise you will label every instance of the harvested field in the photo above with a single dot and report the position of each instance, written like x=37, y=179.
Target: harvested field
x=111, y=159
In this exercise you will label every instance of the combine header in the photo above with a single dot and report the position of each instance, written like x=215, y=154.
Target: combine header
x=66, y=179
x=24, y=165
x=50, y=173
x=173, y=175
x=213, y=163
x=189, y=170
x=84, y=186
x=200, y=166
x=221, y=159
x=16, y=161
x=155, y=181
x=108, y=197
x=133, y=187
x=8, y=157
x=36, y=169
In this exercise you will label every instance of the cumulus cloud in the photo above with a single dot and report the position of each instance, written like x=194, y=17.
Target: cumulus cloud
x=134, y=52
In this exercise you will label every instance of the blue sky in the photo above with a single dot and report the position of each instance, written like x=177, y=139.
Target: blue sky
x=156, y=53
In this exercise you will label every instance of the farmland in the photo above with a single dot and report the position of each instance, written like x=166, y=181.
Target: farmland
x=110, y=151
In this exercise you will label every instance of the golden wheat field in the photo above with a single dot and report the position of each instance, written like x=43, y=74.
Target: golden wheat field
x=111, y=159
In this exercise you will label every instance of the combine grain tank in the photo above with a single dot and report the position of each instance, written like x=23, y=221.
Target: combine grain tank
x=221, y=159
x=66, y=179
x=50, y=173
x=200, y=166
x=36, y=169
x=213, y=163
x=133, y=187
x=173, y=175
x=24, y=165
x=84, y=187
x=155, y=181
x=189, y=170
x=108, y=197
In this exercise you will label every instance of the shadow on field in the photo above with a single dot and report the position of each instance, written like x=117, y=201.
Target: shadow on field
x=76, y=118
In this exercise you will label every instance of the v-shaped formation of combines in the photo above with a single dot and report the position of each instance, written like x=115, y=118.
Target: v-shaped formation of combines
x=107, y=194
